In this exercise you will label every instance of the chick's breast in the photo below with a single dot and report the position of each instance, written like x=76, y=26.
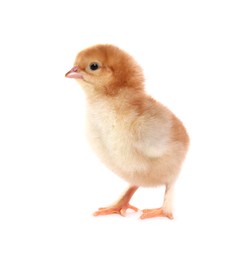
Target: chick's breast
x=112, y=137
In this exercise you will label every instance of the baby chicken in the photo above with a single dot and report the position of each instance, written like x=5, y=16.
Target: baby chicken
x=136, y=137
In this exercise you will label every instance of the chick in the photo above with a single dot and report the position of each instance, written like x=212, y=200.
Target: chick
x=136, y=137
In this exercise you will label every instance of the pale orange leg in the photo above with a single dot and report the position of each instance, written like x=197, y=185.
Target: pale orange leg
x=165, y=210
x=121, y=206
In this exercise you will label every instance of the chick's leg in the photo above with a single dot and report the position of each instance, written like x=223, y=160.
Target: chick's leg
x=165, y=210
x=121, y=206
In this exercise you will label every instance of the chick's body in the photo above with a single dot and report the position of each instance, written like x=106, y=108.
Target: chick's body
x=135, y=136
x=138, y=147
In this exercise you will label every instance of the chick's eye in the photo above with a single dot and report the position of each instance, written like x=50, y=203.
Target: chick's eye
x=94, y=66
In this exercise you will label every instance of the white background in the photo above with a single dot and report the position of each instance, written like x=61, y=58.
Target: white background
x=194, y=60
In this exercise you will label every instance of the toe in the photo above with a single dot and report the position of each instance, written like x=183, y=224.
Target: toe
x=150, y=210
x=151, y=213
x=133, y=208
x=105, y=211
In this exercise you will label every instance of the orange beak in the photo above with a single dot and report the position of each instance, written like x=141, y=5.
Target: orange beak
x=74, y=73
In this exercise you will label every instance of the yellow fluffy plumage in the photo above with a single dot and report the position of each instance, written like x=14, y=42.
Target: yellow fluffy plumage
x=138, y=138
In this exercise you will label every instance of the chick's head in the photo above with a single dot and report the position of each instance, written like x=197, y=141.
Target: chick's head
x=106, y=69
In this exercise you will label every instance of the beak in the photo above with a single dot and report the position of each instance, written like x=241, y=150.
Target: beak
x=74, y=73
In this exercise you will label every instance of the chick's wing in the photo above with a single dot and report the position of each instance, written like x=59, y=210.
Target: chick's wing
x=152, y=137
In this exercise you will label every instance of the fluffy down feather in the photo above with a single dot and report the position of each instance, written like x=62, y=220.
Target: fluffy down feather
x=138, y=138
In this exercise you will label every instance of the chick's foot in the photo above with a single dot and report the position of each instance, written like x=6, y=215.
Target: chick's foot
x=158, y=212
x=115, y=209
x=121, y=206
